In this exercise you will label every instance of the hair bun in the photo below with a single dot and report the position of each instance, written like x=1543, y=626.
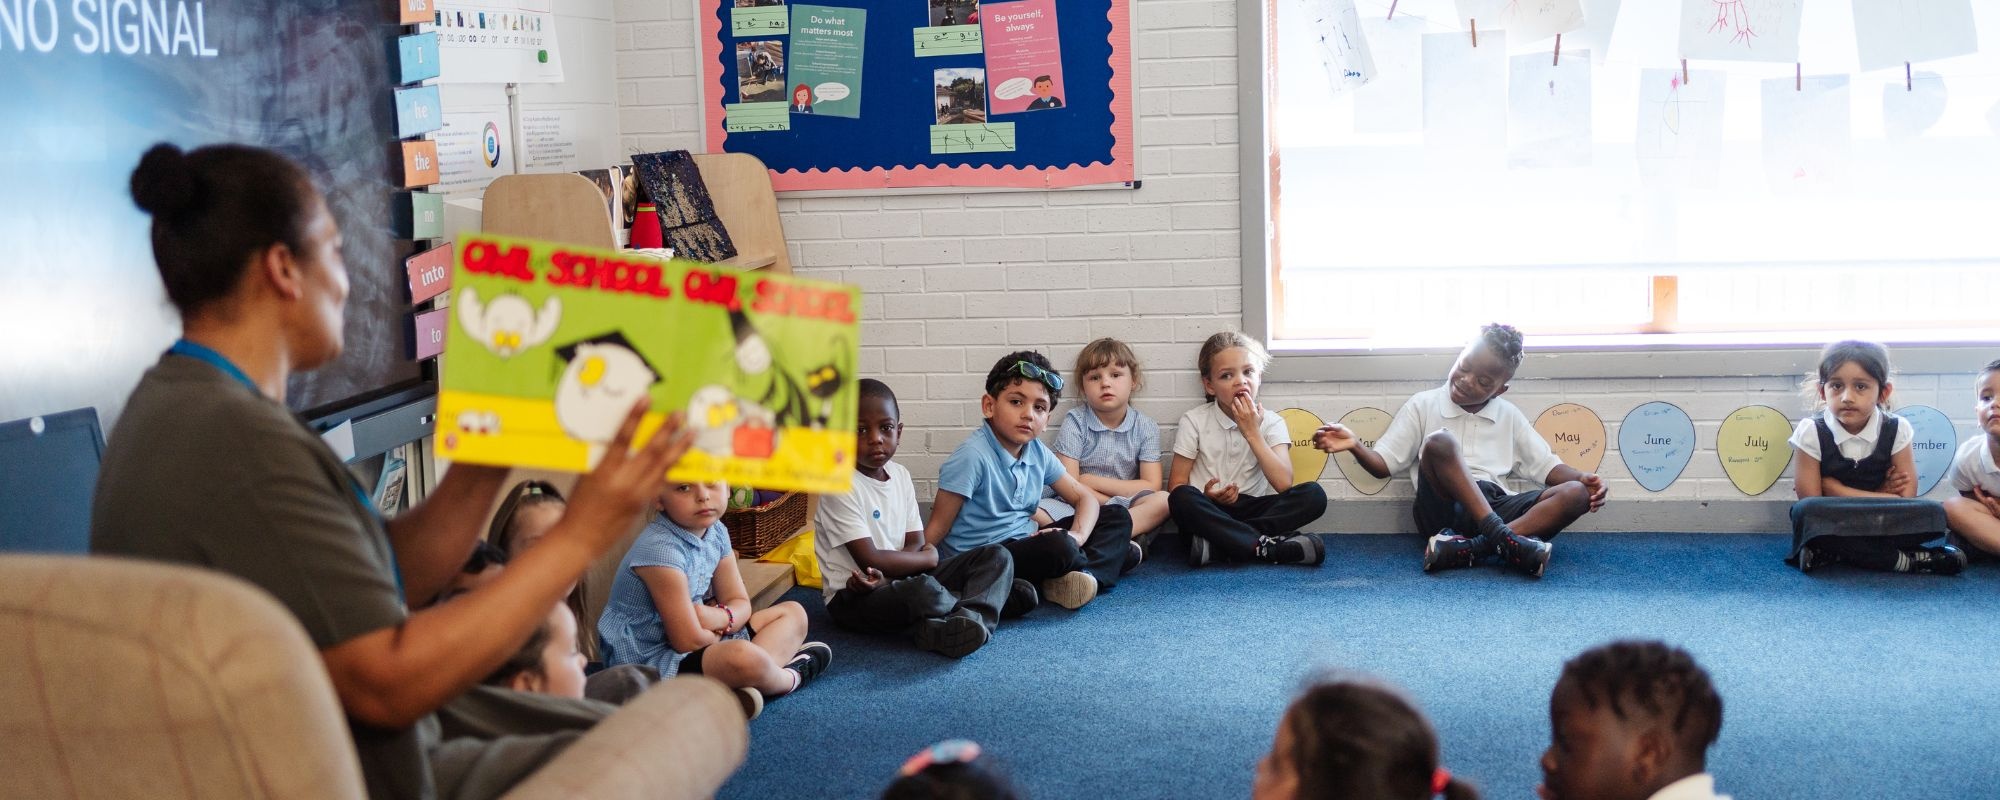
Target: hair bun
x=163, y=185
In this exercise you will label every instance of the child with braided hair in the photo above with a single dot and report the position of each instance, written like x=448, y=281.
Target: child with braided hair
x=1631, y=721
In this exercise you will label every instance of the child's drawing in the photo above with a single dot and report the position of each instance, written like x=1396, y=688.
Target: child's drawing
x=1740, y=30
x=1679, y=138
x=1343, y=50
x=1392, y=102
x=1548, y=111
x=1807, y=133
x=1524, y=21
x=1465, y=90
x=1908, y=111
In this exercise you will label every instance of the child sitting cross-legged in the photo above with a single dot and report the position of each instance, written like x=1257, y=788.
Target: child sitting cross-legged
x=989, y=486
x=881, y=576
x=1112, y=448
x=678, y=605
x=1463, y=438
x=1631, y=721
x=1975, y=472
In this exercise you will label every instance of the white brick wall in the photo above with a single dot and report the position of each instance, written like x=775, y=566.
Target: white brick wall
x=954, y=281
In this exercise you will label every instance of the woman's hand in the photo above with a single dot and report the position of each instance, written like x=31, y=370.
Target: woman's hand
x=609, y=501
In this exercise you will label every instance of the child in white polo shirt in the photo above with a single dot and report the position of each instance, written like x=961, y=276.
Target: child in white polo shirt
x=1231, y=486
x=1463, y=438
x=1975, y=472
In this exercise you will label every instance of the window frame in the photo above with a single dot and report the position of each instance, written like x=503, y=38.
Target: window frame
x=1257, y=162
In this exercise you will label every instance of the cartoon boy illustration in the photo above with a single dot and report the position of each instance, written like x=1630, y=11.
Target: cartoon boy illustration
x=1045, y=94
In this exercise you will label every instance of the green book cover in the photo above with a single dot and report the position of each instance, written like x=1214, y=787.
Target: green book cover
x=550, y=345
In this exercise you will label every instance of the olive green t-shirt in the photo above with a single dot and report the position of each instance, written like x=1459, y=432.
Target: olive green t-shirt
x=203, y=470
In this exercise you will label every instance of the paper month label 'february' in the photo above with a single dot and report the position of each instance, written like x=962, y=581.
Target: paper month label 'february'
x=550, y=345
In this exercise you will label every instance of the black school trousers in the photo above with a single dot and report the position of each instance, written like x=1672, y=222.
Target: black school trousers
x=975, y=581
x=1234, y=529
x=1041, y=556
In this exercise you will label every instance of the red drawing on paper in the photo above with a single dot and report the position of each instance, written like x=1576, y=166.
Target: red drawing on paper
x=1732, y=14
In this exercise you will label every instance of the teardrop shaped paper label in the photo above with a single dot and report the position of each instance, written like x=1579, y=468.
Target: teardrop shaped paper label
x=1657, y=442
x=1368, y=424
x=1576, y=433
x=1933, y=441
x=1308, y=462
x=1752, y=447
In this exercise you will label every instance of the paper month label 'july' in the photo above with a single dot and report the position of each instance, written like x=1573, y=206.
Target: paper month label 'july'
x=550, y=345
x=1752, y=447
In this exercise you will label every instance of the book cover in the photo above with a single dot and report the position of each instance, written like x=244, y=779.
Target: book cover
x=550, y=345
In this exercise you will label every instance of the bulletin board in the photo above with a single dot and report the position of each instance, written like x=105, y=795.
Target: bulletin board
x=787, y=83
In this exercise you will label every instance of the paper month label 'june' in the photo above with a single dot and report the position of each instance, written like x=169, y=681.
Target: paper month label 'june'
x=550, y=345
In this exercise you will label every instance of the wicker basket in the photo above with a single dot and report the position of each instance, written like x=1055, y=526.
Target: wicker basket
x=757, y=530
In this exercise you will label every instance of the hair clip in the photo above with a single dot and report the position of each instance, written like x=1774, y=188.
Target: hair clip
x=1440, y=780
x=949, y=751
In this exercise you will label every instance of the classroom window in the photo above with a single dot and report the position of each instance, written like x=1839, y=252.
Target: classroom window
x=1786, y=219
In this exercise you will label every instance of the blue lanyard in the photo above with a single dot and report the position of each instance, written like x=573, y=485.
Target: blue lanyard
x=183, y=347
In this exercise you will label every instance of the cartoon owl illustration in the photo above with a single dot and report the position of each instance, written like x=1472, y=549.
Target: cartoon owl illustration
x=603, y=377
x=507, y=325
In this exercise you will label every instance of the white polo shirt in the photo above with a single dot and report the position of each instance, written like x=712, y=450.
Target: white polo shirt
x=1699, y=786
x=883, y=512
x=1496, y=442
x=1853, y=446
x=1212, y=440
x=1973, y=466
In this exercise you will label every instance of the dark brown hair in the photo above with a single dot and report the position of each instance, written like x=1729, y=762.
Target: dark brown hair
x=1652, y=679
x=1357, y=739
x=214, y=209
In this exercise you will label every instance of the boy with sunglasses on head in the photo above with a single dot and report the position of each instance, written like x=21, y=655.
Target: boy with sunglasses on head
x=990, y=487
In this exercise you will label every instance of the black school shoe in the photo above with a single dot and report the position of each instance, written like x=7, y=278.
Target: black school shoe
x=1526, y=553
x=1296, y=548
x=812, y=659
x=1021, y=599
x=1200, y=553
x=955, y=636
x=1941, y=560
x=1134, y=556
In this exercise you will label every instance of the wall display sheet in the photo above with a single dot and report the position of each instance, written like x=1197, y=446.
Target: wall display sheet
x=859, y=95
x=84, y=313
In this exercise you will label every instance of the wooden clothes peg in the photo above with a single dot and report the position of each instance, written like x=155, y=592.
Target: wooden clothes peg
x=1909, y=83
x=1798, y=77
x=1392, y=8
x=1558, y=60
x=1684, y=72
x=1475, y=32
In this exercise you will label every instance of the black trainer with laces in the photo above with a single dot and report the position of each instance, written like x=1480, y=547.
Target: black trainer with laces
x=1526, y=553
x=1295, y=548
x=812, y=659
x=955, y=635
x=1448, y=550
x=1941, y=560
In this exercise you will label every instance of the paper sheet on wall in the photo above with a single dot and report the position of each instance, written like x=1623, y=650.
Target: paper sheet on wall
x=1888, y=33
x=1548, y=110
x=1465, y=90
x=1679, y=138
x=1740, y=30
x=1908, y=112
x=1751, y=446
x=1807, y=134
x=826, y=57
x=1656, y=441
x=1392, y=102
x=549, y=140
x=1600, y=19
x=1575, y=433
x=1023, y=56
x=1341, y=44
x=1933, y=442
x=474, y=147
x=494, y=41
x=1525, y=21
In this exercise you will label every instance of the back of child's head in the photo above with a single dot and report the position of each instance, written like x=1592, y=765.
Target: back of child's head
x=872, y=389
x=951, y=770
x=1358, y=739
x=527, y=659
x=1107, y=352
x=1643, y=681
x=524, y=495
x=1218, y=343
x=1010, y=369
x=1503, y=341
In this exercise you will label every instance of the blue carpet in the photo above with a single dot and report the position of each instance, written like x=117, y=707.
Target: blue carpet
x=1839, y=684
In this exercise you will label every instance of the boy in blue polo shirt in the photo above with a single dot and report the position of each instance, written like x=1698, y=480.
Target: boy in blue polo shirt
x=989, y=488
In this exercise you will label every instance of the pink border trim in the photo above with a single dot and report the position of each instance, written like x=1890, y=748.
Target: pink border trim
x=1120, y=170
